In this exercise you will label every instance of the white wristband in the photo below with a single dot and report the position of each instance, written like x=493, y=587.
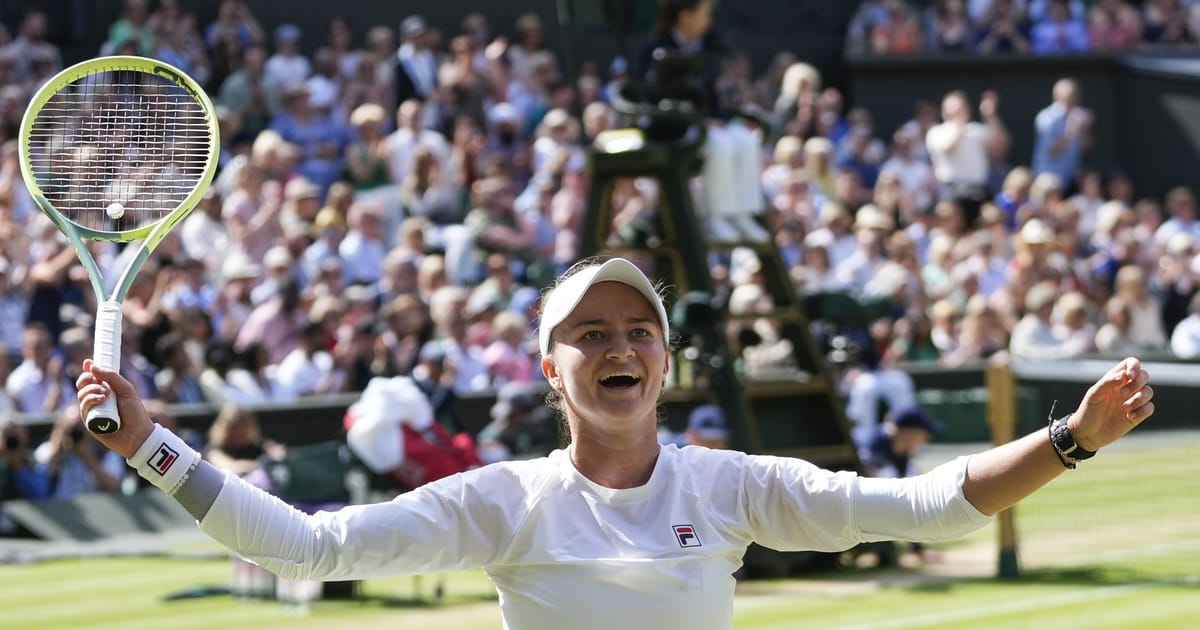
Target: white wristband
x=164, y=460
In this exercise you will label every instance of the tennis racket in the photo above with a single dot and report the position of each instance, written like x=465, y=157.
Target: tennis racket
x=117, y=149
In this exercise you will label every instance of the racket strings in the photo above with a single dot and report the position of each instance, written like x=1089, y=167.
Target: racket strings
x=119, y=137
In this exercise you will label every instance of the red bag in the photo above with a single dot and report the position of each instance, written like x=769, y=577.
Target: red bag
x=434, y=453
x=429, y=455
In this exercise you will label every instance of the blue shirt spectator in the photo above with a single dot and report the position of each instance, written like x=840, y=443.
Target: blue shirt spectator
x=1060, y=32
x=1062, y=130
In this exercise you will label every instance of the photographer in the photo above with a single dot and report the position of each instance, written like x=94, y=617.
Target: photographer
x=72, y=460
x=20, y=476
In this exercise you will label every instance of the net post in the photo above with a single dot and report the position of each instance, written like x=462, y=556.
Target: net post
x=1002, y=419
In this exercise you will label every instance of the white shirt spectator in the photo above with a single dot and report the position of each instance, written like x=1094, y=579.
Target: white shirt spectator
x=402, y=145
x=916, y=177
x=305, y=376
x=964, y=161
x=204, y=238
x=1185, y=339
x=29, y=386
x=283, y=71
x=1033, y=338
x=362, y=257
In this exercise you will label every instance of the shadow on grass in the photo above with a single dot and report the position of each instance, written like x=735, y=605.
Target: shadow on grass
x=423, y=603
x=1075, y=576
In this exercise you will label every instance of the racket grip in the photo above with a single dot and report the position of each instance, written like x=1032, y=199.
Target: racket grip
x=103, y=418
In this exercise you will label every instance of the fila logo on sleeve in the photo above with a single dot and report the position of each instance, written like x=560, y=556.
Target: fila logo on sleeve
x=162, y=459
x=686, y=535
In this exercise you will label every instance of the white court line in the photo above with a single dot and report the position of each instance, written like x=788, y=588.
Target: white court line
x=974, y=612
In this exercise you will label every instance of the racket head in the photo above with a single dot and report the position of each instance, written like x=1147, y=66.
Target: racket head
x=119, y=130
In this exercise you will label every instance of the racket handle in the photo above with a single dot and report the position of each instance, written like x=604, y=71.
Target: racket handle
x=103, y=418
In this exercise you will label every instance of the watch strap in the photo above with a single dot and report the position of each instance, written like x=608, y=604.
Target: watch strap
x=1069, y=451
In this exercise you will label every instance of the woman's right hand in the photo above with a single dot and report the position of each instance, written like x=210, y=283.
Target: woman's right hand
x=96, y=384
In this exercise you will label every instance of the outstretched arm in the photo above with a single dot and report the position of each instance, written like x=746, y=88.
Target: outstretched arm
x=1114, y=405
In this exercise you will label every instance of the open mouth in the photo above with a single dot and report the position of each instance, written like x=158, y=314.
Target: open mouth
x=620, y=381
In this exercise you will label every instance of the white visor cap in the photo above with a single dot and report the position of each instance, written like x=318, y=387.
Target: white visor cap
x=566, y=296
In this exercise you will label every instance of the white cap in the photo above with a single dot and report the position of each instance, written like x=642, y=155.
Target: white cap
x=563, y=299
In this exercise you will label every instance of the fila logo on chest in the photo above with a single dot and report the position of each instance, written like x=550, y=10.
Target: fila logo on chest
x=686, y=535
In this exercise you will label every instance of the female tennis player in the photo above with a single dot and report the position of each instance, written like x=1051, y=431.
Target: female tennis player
x=614, y=530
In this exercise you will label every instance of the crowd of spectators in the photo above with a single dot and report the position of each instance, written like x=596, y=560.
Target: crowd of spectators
x=986, y=27
x=341, y=242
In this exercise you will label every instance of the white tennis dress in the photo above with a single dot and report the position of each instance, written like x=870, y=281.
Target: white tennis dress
x=564, y=552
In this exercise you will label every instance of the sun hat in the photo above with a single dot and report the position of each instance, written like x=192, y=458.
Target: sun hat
x=563, y=299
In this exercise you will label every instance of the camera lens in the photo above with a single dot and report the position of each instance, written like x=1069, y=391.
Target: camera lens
x=11, y=443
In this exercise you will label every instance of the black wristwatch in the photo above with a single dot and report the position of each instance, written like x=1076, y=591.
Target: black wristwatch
x=1069, y=451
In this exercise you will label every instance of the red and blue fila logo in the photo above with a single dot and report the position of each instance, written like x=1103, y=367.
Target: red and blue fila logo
x=686, y=535
x=163, y=458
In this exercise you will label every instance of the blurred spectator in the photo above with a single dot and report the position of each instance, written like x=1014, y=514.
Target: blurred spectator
x=1185, y=339
x=495, y=224
x=320, y=137
x=251, y=213
x=1063, y=134
x=74, y=460
x=959, y=151
x=1072, y=325
x=366, y=155
x=707, y=427
x=1164, y=22
x=871, y=227
x=1181, y=210
x=911, y=170
x=869, y=15
x=1114, y=25
x=1059, y=30
x=1114, y=336
x=447, y=309
x=1145, y=311
x=435, y=374
x=363, y=248
x=275, y=323
x=464, y=80
x=411, y=134
x=507, y=357
x=416, y=67
x=948, y=28
x=21, y=476
x=899, y=32
x=135, y=366
x=247, y=93
x=287, y=67
x=235, y=443
x=30, y=45
x=234, y=22
x=522, y=427
x=38, y=384
x=874, y=388
x=894, y=447
x=1033, y=337
x=14, y=303
x=178, y=380
x=1002, y=29
x=179, y=44
x=203, y=234
x=308, y=370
